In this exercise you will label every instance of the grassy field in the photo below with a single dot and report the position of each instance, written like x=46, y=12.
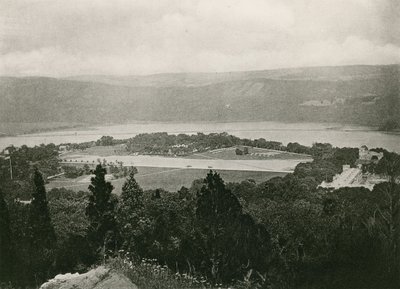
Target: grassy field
x=172, y=179
x=104, y=151
x=166, y=178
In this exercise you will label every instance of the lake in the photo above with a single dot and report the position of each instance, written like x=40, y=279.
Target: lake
x=303, y=133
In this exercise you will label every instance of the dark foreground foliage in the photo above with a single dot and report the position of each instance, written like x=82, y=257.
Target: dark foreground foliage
x=282, y=233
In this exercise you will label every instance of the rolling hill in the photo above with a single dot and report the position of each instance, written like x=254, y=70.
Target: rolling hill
x=365, y=95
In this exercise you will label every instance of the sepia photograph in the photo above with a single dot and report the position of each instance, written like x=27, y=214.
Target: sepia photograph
x=199, y=144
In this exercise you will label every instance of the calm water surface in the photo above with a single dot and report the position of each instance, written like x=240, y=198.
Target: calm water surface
x=303, y=133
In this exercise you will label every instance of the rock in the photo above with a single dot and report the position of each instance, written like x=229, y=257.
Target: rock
x=99, y=278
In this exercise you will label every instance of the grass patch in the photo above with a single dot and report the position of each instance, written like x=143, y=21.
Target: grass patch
x=104, y=151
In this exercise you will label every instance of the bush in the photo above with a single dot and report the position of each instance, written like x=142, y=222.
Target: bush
x=73, y=172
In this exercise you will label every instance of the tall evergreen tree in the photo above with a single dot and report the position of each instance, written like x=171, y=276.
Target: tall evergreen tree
x=389, y=165
x=5, y=242
x=218, y=211
x=130, y=211
x=42, y=235
x=101, y=213
x=232, y=243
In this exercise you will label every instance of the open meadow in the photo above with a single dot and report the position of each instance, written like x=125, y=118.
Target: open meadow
x=167, y=178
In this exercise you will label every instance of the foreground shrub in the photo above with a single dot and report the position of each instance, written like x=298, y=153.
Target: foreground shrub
x=148, y=274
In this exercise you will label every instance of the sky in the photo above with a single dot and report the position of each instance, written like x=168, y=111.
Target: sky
x=127, y=37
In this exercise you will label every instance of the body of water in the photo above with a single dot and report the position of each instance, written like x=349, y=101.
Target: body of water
x=303, y=133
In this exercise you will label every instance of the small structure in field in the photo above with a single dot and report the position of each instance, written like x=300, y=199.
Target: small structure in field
x=242, y=150
x=23, y=202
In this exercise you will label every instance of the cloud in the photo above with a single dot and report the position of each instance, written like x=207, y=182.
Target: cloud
x=147, y=36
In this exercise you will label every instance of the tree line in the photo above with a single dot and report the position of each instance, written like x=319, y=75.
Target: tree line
x=162, y=143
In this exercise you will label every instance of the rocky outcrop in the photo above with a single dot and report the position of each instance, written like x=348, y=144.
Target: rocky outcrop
x=99, y=278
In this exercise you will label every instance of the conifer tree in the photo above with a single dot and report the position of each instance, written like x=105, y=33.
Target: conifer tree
x=42, y=235
x=389, y=165
x=5, y=242
x=231, y=242
x=101, y=213
x=129, y=212
x=218, y=212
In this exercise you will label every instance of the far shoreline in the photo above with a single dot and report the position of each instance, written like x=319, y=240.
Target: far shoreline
x=94, y=126
x=305, y=133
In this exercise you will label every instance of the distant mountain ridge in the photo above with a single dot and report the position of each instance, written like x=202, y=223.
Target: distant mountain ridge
x=364, y=95
x=331, y=73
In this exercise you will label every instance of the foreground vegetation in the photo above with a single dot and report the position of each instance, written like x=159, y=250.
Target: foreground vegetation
x=282, y=233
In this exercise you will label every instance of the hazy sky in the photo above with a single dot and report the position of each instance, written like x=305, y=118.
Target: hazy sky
x=58, y=38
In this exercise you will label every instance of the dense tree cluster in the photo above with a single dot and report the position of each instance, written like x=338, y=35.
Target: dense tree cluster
x=5, y=241
x=163, y=143
x=24, y=158
x=103, y=141
x=32, y=235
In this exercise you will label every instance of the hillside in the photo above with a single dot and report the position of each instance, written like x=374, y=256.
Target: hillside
x=352, y=94
x=330, y=73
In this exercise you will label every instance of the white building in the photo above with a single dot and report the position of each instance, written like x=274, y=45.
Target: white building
x=350, y=177
x=353, y=177
x=367, y=156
